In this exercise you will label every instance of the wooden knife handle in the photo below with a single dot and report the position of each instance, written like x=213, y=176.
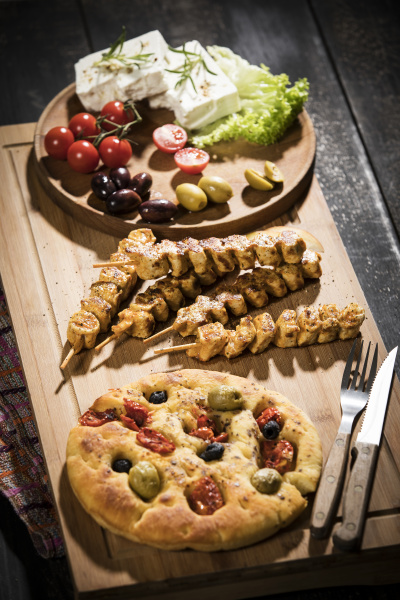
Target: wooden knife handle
x=330, y=487
x=349, y=534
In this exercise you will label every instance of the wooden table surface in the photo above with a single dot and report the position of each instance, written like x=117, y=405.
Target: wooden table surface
x=350, y=52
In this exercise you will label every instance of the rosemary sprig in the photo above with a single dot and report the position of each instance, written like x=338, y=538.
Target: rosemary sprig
x=115, y=59
x=192, y=59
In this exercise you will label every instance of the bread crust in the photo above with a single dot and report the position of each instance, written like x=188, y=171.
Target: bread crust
x=167, y=521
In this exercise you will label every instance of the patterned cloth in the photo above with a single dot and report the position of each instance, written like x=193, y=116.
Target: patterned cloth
x=23, y=476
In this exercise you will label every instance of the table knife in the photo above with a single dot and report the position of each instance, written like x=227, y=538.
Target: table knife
x=365, y=452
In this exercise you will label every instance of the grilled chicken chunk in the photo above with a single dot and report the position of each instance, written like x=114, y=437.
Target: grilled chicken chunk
x=100, y=309
x=242, y=249
x=329, y=316
x=155, y=304
x=221, y=255
x=215, y=308
x=168, y=288
x=189, y=319
x=350, y=320
x=188, y=284
x=265, y=333
x=310, y=264
x=137, y=323
x=232, y=298
x=197, y=255
x=239, y=339
x=292, y=276
x=291, y=246
x=210, y=340
x=286, y=330
x=266, y=250
x=83, y=328
x=142, y=236
x=176, y=257
x=109, y=292
x=253, y=289
x=310, y=326
x=122, y=280
x=128, y=269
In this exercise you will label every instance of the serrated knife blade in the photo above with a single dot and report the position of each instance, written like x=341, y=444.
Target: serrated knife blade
x=374, y=413
x=365, y=452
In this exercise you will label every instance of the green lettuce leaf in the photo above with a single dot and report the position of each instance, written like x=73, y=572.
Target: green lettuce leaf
x=268, y=104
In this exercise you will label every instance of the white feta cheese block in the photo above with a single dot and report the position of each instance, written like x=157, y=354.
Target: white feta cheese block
x=97, y=85
x=215, y=95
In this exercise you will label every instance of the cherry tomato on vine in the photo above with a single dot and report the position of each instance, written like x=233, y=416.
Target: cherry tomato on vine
x=169, y=138
x=192, y=160
x=115, y=152
x=83, y=124
x=83, y=156
x=115, y=112
x=57, y=141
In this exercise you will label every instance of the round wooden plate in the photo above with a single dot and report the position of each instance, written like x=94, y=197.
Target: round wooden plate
x=248, y=208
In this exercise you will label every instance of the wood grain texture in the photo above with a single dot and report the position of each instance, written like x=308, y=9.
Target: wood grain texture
x=363, y=40
x=293, y=154
x=330, y=487
x=59, y=270
x=356, y=498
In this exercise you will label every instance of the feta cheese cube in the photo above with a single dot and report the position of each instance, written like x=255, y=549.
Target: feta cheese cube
x=97, y=85
x=215, y=95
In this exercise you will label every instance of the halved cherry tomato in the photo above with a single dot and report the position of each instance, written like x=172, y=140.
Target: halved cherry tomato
x=115, y=112
x=155, y=441
x=204, y=433
x=83, y=124
x=57, y=142
x=277, y=455
x=205, y=498
x=130, y=423
x=169, y=138
x=92, y=418
x=82, y=156
x=136, y=411
x=115, y=152
x=192, y=160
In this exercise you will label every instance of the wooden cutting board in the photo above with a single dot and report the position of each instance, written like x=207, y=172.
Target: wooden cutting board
x=294, y=154
x=46, y=268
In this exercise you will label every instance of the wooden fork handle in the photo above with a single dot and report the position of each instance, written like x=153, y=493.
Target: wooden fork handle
x=330, y=487
x=349, y=534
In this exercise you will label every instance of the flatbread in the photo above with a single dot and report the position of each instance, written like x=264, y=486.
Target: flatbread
x=167, y=521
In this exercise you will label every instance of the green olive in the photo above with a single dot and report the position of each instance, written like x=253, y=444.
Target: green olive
x=225, y=397
x=267, y=481
x=273, y=172
x=217, y=189
x=191, y=196
x=257, y=180
x=144, y=480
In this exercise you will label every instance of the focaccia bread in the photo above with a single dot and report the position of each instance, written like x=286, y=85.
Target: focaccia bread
x=194, y=459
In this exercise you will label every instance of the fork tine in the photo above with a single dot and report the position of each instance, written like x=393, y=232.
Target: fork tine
x=372, y=373
x=362, y=378
x=356, y=370
x=347, y=370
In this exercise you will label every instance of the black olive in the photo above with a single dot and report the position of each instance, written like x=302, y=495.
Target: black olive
x=157, y=210
x=121, y=177
x=122, y=465
x=102, y=186
x=213, y=451
x=141, y=183
x=158, y=397
x=123, y=201
x=271, y=430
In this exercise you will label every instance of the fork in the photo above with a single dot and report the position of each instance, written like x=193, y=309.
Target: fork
x=353, y=401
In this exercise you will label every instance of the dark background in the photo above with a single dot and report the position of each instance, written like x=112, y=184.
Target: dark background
x=350, y=52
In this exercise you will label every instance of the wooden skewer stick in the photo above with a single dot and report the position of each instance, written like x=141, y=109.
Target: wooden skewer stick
x=106, y=341
x=67, y=358
x=117, y=263
x=175, y=348
x=157, y=335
